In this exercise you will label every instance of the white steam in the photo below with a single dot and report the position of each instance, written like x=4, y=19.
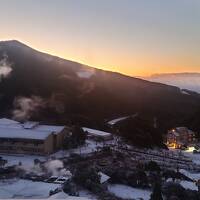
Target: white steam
x=49, y=168
x=34, y=169
x=25, y=107
x=56, y=168
x=5, y=67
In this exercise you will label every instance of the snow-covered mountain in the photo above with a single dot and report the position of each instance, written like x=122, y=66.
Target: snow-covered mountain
x=189, y=81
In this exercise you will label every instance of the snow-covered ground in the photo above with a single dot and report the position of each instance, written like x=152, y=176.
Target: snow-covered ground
x=186, y=184
x=90, y=147
x=188, y=153
x=26, y=160
x=115, y=121
x=127, y=192
x=21, y=189
x=25, y=189
x=189, y=185
x=87, y=194
x=62, y=195
x=193, y=176
x=195, y=157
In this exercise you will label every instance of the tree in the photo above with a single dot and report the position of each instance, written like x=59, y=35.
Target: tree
x=141, y=178
x=152, y=166
x=36, y=161
x=70, y=188
x=156, y=194
x=75, y=139
x=78, y=135
x=3, y=162
x=87, y=177
x=174, y=190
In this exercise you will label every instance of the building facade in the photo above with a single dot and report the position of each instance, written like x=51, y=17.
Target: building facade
x=179, y=137
x=30, y=137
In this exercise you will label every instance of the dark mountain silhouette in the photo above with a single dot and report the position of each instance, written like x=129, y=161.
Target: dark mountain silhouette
x=60, y=91
x=141, y=131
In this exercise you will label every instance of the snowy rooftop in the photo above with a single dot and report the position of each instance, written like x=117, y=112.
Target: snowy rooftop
x=4, y=121
x=96, y=132
x=115, y=121
x=24, y=189
x=28, y=130
x=23, y=133
x=55, y=129
x=103, y=177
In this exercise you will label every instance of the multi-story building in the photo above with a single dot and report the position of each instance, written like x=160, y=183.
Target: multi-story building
x=30, y=137
x=180, y=136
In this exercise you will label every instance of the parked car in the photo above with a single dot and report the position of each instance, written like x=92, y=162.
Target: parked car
x=52, y=179
x=61, y=180
x=57, y=179
x=196, y=151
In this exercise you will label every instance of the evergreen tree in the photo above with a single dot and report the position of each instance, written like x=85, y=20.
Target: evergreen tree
x=75, y=139
x=156, y=194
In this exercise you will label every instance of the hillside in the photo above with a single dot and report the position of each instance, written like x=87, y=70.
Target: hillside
x=42, y=87
x=140, y=131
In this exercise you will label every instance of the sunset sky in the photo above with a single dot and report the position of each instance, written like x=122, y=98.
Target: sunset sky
x=135, y=37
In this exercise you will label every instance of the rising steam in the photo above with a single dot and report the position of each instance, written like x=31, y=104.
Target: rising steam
x=5, y=67
x=25, y=107
x=50, y=167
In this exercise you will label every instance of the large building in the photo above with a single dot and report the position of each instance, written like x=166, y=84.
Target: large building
x=180, y=136
x=30, y=137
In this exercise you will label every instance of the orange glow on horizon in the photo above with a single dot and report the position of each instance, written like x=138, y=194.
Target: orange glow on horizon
x=136, y=67
x=135, y=38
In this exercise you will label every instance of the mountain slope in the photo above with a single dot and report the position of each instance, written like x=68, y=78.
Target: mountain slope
x=44, y=87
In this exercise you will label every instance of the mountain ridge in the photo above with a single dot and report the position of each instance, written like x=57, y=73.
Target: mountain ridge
x=69, y=91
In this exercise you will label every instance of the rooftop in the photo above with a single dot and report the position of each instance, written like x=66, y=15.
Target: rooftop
x=28, y=130
x=96, y=132
x=23, y=134
x=54, y=129
x=5, y=121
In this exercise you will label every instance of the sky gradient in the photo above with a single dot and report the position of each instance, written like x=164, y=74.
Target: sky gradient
x=134, y=37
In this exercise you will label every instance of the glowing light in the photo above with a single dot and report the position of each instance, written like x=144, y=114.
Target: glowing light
x=190, y=149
